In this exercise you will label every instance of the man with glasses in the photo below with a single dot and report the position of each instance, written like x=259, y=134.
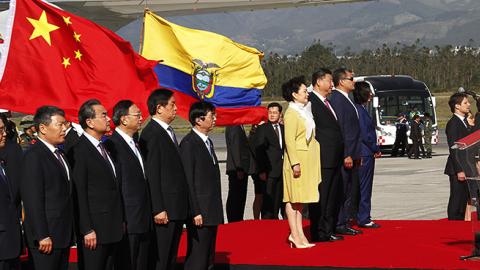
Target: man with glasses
x=123, y=147
x=348, y=119
x=100, y=221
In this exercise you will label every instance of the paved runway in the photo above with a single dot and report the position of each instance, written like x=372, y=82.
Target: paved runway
x=403, y=188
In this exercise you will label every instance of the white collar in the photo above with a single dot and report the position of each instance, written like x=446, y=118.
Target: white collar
x=161, y=123
x=93, y=140
x=343, y=93
x=124, y=135
x=305, y=111
x=460, y=116
x=201, y=135
x=50, y=146
x=322, y=98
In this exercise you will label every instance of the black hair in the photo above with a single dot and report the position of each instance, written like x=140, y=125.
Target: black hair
x=158, y=97
x=339, y=74
x=86, y=111
x=320, y=74
x=362, y=93
x=10, y=127
x=121, y=109
x=427, y=115
x=44, y=114
x=455, y=99
x=292, y=86
x=199, y=109
x=275, y=104
x=415, y=117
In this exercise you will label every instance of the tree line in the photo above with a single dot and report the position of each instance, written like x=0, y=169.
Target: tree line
x=440, y=67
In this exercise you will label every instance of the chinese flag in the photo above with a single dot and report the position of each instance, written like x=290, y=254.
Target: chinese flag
x=52, y=57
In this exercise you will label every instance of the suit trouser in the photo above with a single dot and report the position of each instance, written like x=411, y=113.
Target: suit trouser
x=415, y=149
x=103, y=257
x=272, y=198
x=10, y=264
x=400, y=143
x=134, y=250
x=167, y=241
x=201, y=247
x=324, y=214
x=349, y=197
x=457, y=202
x=237, y=197
x=57, y=259
x=365, y=173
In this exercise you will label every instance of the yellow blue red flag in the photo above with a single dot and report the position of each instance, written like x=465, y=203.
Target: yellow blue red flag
x=201, y=65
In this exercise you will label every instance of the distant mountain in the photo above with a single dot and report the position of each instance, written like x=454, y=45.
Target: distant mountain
x=364, y=25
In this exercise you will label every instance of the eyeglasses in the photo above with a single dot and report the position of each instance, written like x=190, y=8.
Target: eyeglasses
x=135, y=114
x=348, y=78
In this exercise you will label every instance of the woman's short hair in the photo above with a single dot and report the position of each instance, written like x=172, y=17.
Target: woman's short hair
x=292, y=86
x=362, y=93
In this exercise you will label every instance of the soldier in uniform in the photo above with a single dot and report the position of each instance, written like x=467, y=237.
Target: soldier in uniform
x=427, y=134
x=28, y=137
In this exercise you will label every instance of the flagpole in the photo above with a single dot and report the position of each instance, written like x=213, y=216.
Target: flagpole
x=140, y=46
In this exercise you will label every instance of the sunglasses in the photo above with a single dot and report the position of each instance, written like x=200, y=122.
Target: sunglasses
x=348, y=78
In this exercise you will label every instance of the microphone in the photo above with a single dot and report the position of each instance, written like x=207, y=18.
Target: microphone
x=471, y=93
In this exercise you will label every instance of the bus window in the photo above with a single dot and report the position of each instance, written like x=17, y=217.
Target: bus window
x=392, y=104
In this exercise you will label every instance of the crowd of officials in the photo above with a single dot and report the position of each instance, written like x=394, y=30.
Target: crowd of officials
x=124, y=198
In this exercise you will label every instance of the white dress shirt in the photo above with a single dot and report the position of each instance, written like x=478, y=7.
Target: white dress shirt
x=52, y=148
x=205, y=140
x=164, y=126
x=131, y=143
x=351, y=102
x=328, y=106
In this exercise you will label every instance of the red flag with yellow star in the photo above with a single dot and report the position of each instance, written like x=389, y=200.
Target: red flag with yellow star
x=52, y=57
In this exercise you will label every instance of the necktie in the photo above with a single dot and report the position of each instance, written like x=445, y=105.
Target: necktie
x=210, y=149
x=172, y=134
x=277, y=131
x=103, y=152
x=465, y=121
x=327, y=103
x=58, y=154
x=4, y=178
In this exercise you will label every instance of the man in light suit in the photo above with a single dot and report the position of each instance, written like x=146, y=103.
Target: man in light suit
x=134, y=250
x=166, y=176
x=238, y=165
x=46, y=192
x=10, y=232
x=100, y=220
x=203, y=176
x=324, y=214
x=347, y=116
x=269, y=145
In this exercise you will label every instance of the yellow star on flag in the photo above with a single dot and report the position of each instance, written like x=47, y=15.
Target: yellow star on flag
x=42, y=28
x=67, y=20
x=66, y=62
x=76, y=36
x=78, y=55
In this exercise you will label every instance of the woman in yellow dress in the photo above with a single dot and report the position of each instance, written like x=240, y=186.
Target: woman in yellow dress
x=301, y=166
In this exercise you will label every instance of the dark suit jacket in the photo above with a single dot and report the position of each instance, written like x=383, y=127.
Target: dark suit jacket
x=269, y=152
x=349, y=124
x=135, y=193
x=47, y=198
x=368, y=135
x=98, y=197
x=165, y=173
x=10, y=233
x=328, y=133
x=203, y=180
x=12, y=156
x=415, y=131
x=455, y=130
x=70, y=140
x=238, y=149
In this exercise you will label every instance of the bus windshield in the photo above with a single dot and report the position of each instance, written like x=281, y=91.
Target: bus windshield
x=391, y=104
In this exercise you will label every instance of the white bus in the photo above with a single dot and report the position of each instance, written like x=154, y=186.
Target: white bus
x=395, y=94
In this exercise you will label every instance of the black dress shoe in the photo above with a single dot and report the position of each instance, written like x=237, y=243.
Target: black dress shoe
x=370, y=225
x=354, y=230
x=344, y=231
x=334, y=237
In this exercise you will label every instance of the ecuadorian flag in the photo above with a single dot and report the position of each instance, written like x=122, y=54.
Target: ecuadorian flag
x=200, y=65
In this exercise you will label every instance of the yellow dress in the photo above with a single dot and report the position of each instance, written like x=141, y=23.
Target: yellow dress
x=298, y=150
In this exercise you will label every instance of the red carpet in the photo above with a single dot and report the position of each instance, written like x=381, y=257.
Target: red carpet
x=428, y=244
x=432, y=244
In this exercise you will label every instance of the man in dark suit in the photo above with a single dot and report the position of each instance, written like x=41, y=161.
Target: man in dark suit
x=166, y=176
x=324, y=214
x=46, y=193
x=203, y=176
x=457, y=128
x=269, y=144
x=238, y=164
x=71, y=138
x=100, y=218
x=347, y=116
x=10, y=232
x=127, y=118
x=416, y=136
